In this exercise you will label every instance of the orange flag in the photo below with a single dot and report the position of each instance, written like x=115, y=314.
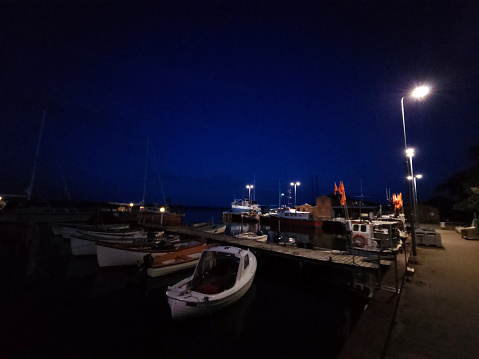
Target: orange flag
x=335, y=188
x=343, y=193
x=397, y=200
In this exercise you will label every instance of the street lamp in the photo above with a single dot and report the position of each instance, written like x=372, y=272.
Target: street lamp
x=162, y=210
x=418, y=93
x=414, y=186
x=249, y=187
x=295, y=184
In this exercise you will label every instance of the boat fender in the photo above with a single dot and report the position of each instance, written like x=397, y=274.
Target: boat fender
x=360, y=240
x=148, y=260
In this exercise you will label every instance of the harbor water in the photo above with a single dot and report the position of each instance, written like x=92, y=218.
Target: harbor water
x=56, y=305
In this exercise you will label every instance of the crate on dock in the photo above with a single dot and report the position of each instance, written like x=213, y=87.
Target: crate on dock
x=428, y=237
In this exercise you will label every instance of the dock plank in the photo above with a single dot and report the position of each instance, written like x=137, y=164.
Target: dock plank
x=293, y=252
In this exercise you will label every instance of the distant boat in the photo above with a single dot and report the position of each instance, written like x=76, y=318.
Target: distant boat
x=209, y=228
x=22, y=209
x=152, y=215
x=245, y=205
x=43, y=212
x=223, y=275
x=258, y=236
x=292, y=217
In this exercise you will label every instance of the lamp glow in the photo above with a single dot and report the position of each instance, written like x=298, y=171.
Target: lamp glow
x=295, y=184
x=249, y=187
x=420, y=92
x=410, y=152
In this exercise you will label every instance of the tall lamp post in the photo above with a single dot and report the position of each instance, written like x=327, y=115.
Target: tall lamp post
x=414, y=178
x=249, y=187
x=419, y=92
x=295, y=184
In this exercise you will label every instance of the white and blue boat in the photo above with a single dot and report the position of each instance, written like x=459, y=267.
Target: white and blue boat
x=245, y=205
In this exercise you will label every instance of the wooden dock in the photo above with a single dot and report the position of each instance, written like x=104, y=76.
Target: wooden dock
x=317, y=256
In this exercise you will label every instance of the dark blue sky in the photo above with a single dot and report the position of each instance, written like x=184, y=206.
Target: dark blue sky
x=233, y=92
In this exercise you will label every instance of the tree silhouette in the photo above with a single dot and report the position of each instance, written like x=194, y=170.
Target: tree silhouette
x=463, y=187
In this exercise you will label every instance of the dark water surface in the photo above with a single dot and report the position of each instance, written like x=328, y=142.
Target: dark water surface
x=55, y=305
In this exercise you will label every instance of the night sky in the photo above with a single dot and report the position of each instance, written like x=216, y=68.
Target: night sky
x=230, y=93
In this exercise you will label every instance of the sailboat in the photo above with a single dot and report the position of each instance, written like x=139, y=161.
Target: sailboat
x=143, y=213
x=24, y=209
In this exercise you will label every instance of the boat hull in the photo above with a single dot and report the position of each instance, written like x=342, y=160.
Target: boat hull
x=296, y=222
x=114, y=255
x=187, y=301
x=168, y=269
x=187, y=309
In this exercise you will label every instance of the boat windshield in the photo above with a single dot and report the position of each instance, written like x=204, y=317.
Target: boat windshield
x=216, y=271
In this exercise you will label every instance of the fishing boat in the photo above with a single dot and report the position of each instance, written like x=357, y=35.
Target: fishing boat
x=176, y=261
x=257, y=236
x=223, y=275
x=374, y=238
x=291, y=217
x=117, y=254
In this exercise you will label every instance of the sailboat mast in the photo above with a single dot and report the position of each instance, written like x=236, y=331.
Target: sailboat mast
x=29, y=189
x=146, y=168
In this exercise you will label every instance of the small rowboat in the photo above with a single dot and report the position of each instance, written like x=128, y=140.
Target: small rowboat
x=174, y=261
x=115, y=254
x=259, y=236
x=223, y=275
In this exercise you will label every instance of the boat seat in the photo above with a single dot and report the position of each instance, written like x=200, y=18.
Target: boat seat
x=209, y=287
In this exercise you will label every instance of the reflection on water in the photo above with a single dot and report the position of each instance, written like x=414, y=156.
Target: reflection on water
x=74, y=308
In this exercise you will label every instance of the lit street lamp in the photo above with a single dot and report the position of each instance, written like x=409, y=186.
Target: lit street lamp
x=249, y=187
x=418, y=93
x=414, y=186
x=295, y=184
x=162, y=210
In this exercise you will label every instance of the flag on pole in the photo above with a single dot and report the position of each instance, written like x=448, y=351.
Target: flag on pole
x=397, y=200
x=342, y=192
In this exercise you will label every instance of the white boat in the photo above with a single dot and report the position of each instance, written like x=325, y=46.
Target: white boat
x=222, y=276
x=135, y=234
x=245, y=205
x=288, y=216
x=85, y=244
x=114, y=254
x=214, y=228
x=257, y=236
x=174, y=261
x=374, y=238
x=67, y=229
x=121, y=230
